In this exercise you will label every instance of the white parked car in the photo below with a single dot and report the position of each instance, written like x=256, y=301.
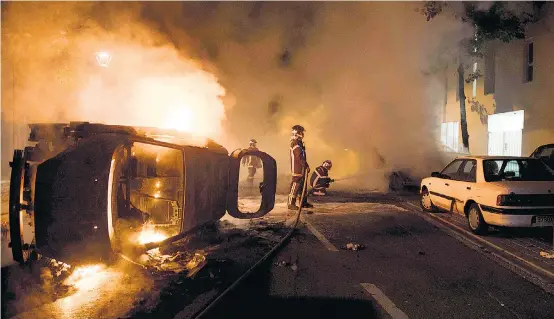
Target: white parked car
x=493, y=190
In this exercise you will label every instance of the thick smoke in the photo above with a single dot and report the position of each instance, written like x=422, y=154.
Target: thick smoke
x=356, y=75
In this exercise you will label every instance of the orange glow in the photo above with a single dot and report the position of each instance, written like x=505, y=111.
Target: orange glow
x=150, y=234
x=92, y=284
x=158, y=184
x=157, y=195
x=168, y=92
x=87, y=277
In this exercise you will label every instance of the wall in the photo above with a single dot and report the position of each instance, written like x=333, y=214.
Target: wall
x=511, y=92
x=478, y=135
x=535, y=97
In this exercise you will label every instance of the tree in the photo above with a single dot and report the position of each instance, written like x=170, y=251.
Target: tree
x=497, y=22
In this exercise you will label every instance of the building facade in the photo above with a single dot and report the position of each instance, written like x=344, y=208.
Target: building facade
x=510, y=108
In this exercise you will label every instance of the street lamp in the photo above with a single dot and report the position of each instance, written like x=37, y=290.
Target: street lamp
x=103, y=58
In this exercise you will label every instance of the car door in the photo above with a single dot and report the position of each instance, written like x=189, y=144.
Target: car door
x=267, y=188
x=461, y=186
x=441, y=191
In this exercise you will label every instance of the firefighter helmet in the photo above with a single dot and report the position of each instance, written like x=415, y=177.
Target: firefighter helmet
x=327, y=164
x=298, y=131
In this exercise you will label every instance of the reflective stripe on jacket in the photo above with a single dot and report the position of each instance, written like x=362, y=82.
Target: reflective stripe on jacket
x=320, y=177
x=297, y=157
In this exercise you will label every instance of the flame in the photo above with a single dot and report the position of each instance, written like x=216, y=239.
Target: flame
x=150, y=234
x=93, y=283
x=153, y=87
x=87, y=277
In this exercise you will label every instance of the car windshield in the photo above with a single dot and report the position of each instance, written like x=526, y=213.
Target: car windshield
x=516, y=170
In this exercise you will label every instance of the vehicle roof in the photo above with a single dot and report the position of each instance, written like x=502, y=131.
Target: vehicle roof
x=546, y=145
x=486, y=157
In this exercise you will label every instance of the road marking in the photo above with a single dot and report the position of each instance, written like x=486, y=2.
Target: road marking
x=384, y=301
x=490, y=244
x=320, y=236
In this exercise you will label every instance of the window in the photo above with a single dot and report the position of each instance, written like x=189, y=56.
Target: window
x=516, y=170
x=449, y=136
x=546, y=151
x=489, y=71
x=468, y=171
x=529, y=60
x=452, y=169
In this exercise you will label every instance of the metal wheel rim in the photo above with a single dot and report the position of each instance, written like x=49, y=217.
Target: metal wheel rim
x=21, y=251
x=426, y=200
x=473, y=218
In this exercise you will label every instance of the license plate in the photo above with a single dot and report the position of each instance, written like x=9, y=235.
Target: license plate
x=544, y=221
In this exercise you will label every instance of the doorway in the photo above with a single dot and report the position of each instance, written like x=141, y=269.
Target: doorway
x=505, y=133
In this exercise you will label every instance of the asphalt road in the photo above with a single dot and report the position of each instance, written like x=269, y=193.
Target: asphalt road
x=409, y=269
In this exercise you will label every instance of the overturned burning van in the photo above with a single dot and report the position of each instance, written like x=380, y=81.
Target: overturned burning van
x=90, y=191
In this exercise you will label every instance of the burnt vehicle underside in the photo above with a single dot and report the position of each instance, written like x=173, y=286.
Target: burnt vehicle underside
x=90, y=191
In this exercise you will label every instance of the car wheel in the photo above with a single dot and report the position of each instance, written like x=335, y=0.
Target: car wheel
x=475, y=220
x=426, y=202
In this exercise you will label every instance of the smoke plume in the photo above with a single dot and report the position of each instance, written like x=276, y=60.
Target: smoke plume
x=355, y=75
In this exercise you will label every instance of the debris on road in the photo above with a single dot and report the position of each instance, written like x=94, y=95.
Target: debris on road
x=282, y=263
x=421, y=252
x=353, y=246
x=547, y=255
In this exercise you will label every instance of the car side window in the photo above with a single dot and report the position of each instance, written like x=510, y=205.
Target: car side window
x=467, y=174
x=545, y=152
x=512, y=166
x=452, y=169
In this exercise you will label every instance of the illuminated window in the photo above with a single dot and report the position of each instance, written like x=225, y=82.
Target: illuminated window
x=449, y=136
x=529, y=59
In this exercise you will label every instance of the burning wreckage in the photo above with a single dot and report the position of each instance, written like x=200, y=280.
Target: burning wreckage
x=88, y=192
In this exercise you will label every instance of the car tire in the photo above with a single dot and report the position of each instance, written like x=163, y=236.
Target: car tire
x=426, y=203
x=475, y=220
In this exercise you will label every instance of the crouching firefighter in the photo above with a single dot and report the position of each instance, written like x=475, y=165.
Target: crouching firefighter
x=252, y=162
x=299, y=166
x=320, y=179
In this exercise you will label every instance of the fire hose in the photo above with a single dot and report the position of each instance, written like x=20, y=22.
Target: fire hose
x=279, y=245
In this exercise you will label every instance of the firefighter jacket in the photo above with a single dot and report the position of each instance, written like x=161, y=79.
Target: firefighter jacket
x=320, y=178
x=298, y=162
x=252, y=161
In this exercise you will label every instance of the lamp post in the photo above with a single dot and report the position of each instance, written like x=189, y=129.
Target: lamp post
x=103, y=58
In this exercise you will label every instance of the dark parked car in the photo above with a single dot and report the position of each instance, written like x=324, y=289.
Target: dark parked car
x=546, y=154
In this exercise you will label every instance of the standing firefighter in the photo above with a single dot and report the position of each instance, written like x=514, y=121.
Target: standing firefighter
x=252, y=162
x=320, y=179
x=299, y=165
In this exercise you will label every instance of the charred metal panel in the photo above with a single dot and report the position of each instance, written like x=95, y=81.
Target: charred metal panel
x=206, y=176
x=71, y=200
